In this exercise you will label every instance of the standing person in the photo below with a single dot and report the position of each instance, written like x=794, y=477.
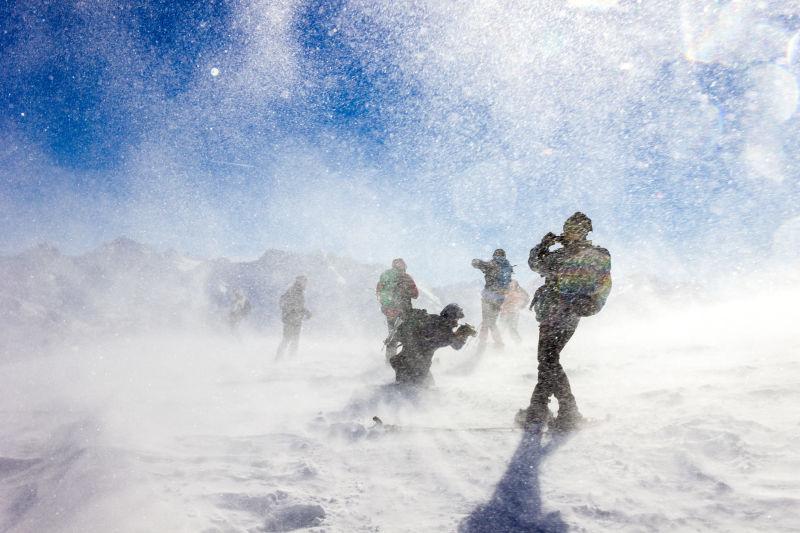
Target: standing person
x=497, y=275
x=394, y=292
x=420, y=335
x=239, y=309
x=516, y=299
x=293, y=311
x=577, y=283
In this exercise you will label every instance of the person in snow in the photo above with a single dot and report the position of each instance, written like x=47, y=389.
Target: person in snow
x=395, y=290
x=577, y=283
x=497, y=275
x=515, y=300
x=420, y=335
x=240, y=308
x=293, y=312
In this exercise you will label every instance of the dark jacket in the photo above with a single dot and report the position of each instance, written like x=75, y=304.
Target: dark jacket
x=421, y=334
x=496, y=275
x=293, y=304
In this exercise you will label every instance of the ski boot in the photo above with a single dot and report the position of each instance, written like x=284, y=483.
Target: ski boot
x=566, y=421
x=530, y=420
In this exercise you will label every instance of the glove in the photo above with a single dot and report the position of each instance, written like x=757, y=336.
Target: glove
x=466, y=330
x=549, y=240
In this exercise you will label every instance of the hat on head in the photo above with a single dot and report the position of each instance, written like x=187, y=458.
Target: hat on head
x=578, y=222
x=452, y=311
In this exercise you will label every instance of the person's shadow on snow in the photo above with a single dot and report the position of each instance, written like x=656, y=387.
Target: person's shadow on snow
x=516, y=505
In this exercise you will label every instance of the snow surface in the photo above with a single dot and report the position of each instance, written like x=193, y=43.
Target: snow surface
x=693, y=408
x=435, y=131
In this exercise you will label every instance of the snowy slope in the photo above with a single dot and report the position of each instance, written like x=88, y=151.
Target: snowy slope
x=695, y=429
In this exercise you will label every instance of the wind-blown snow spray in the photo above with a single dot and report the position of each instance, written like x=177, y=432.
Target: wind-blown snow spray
x=266, y=140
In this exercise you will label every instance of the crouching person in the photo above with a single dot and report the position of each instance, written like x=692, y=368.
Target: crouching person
x=420, y=335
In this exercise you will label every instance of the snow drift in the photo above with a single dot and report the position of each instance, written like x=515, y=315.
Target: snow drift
x=191, y=428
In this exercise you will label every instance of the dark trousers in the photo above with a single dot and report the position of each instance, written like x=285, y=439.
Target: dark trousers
x=552, y=379
x=490, y=310
x=291, y=338
x=412, y=367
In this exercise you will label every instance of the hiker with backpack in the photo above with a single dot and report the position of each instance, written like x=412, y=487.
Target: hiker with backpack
x=293, y=312
x=420, y=334
x=497, y=276
x=240, y=308
x=394, y=292
x=577, y=284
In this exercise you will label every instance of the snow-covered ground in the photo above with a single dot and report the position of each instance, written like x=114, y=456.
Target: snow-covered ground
x=693, y=409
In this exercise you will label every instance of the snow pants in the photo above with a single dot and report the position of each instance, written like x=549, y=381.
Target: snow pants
x=291, y=338
x=490, y=309
x=412, y=367
x=511, y=322
x=552, y=380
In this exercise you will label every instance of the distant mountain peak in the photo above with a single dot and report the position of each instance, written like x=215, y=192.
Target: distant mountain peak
x=271, y=254
x=126, y=245
x=125, y=242
x=43, y=250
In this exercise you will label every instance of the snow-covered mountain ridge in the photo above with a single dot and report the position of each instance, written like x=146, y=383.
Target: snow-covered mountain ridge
x=124, y=287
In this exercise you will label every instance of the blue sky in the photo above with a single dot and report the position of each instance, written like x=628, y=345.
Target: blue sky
x=411, y=128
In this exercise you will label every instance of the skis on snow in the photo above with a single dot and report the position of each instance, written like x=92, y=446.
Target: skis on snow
x=389, y=428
